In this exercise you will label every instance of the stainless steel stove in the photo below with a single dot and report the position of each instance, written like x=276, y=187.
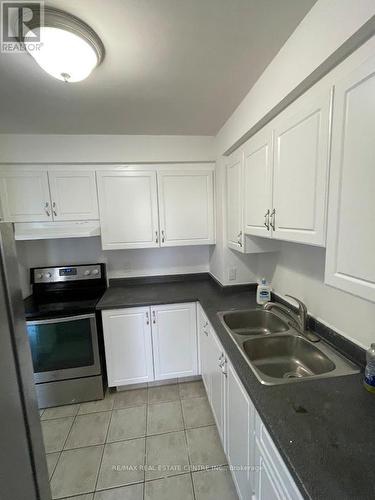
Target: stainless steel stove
x=63, y=333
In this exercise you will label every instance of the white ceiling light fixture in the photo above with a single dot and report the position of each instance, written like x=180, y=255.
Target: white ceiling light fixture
x=69, y=48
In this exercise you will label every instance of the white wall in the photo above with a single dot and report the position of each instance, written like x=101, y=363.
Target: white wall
x=299, y=270
x=324, y=29
x=105, y=148
x=120, y=263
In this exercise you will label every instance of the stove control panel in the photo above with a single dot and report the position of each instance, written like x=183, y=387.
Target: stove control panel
x=66, y=273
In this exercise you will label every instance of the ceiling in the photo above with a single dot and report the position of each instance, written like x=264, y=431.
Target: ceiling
x=171, y=67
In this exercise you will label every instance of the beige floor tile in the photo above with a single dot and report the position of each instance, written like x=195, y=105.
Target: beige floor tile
x=55, y=433
x=170, y=488
x=192, y=390
x=132, y=492
x=122, y=464
x=197, y=412
x=105, y=404
x=76, y=472
x=60, y=411
x=166, y=455
x=127, y=423
x=163, y=393
x=164, y=417
x=88, y=430
x=134, y=397
x=214, y=485
x=204, y=447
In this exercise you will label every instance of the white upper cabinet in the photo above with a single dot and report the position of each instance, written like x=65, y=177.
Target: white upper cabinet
x=174, y=338
x=301, y=160
x=233, y=169
x=25, y=196
x=128, y=209
x=258, y=183
x=73, y=195
x=186, y=207
x=350, y=262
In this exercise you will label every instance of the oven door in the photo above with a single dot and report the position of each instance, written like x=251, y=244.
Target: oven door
x=64, y=348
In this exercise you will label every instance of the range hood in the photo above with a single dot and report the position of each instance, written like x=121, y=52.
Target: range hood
x=53, y=230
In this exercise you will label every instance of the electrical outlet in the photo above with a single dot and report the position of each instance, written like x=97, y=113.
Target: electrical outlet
x=232, y=274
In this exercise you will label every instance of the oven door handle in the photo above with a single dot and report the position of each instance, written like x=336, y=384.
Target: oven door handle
x=63, y=319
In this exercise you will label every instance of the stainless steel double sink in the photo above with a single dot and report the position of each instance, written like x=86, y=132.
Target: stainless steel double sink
x=277, y=353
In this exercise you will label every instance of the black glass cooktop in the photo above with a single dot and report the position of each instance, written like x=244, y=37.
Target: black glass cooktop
x=41, y=308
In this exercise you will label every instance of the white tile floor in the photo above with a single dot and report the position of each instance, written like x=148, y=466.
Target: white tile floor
x=156, y=443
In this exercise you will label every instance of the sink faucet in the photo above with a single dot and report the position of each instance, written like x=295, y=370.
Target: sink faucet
x=297, y=320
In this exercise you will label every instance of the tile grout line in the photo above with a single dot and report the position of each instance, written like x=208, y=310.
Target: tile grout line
x=145, y=456
x=104, y=445
x=187, y=450
x=62, y=449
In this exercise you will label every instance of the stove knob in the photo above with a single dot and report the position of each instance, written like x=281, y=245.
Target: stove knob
x=48, y=275
x=95, y=272
x=39, y=276
x=87, y=272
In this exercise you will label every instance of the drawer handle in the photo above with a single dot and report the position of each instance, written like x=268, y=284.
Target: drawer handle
x=239, y=238
x=147, y=319
x=267, y=219
x=153, y=317
x=46, y=209
x=272, y=221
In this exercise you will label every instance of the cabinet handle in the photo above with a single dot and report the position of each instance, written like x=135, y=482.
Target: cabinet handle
x=205, y=332
x=239, y=240
x=272, y=219
x=205, y=325
x=156, y=237
x=267, y=219
x=54, y=209
x=46, y=208
x=162, y=236
x=147, y=318
x=153, y=317
x=223, y=371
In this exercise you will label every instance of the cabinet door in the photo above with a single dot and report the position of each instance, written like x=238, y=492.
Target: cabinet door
x=204, y=349
x=186, y=207
x=73, y=195
x=265, y=482
x=239, y=433
x=217, y=382
x=128, y=209
x=128, y=347
x=350, y=263
x=301, y=159
x=174, y=336
x=258, y=183
x=234, y=201
x=25, y=196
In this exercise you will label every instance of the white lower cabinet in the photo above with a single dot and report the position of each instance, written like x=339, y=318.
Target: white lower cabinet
x=128, y=346
x=257, y=468
x=174, y=338
x=143, y=344
x=204, y=348
x=239, y=434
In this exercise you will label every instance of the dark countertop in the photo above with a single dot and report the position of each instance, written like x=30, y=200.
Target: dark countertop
x=324, y=429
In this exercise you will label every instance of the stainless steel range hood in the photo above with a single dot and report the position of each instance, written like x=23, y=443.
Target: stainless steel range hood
x=53, y=230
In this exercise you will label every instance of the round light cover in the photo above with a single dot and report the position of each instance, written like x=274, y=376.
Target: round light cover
x=69, y=48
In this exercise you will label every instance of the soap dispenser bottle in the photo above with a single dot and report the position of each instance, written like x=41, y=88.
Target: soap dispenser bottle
x=369, y=380
x=263, y=292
